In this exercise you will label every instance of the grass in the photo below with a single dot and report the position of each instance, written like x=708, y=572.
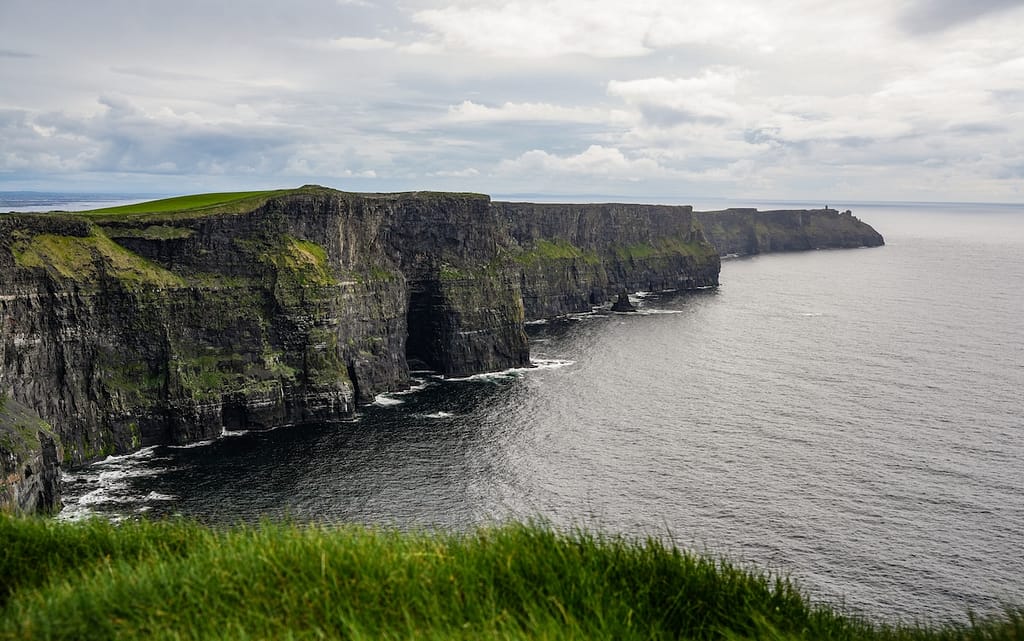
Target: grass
x=554, y=250
x=182, y=203
x=177, y=580
x=80, y=258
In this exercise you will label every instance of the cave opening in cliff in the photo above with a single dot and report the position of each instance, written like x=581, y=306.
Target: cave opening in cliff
x=423, y=340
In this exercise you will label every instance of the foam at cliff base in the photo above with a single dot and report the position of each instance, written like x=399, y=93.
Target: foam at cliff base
x=109, y=479
x=536, y=365
x=386, y=400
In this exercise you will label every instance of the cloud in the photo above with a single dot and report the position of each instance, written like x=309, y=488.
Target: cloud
x=9, y=53
x=356, y=43
x=597, y=28
x=929, y=16
x=469, y=112
x=536, y=29
x=788, y=98
x=469, y=172
x=596, y=160
x=670, y=101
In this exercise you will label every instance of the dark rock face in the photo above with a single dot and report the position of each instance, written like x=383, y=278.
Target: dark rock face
x=576, y=256
x=748, y=231
x=132, y=329
x=29, y=461
x=622, y=304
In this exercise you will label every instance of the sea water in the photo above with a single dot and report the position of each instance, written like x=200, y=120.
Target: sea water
x=852, y=418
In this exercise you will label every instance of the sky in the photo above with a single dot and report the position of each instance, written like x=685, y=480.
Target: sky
x=917, y=100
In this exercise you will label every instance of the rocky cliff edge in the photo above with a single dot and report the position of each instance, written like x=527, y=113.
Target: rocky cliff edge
x=173, y=321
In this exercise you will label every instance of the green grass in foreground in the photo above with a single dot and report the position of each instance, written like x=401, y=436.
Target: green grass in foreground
x=176, y=580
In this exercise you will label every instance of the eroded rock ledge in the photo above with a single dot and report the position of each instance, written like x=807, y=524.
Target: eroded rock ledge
x=169, y=326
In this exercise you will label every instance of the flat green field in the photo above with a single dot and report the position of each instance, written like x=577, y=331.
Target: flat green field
x=183, y=203
x=179, y=580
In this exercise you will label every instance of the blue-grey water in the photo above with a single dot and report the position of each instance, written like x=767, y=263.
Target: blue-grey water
x=30, y=201
x=853, y=418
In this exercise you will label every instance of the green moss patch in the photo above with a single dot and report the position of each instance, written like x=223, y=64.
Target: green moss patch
x=151, y=232
x=19, y=430
x=82, y=258
x=665, y=247
x=557, y=249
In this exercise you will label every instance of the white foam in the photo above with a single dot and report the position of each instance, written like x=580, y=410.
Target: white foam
x=386, y=400
x=74, y=512
x=420, y=385
x=514, y=372
x=144, y=453
x=539, y=321
x=811, y=314
x=157, y=496
x=197, y=443
x=654, y=312
x=103, y=496
x=439, y=415
x=551, y=363
x=504, y=374
x=597, y=312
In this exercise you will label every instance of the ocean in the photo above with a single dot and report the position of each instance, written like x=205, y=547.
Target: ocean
x=851, y=418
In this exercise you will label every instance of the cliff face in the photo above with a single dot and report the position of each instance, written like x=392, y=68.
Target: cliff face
x=576, y=256
x=29, y=460
x=169, y=326
x=748, y=231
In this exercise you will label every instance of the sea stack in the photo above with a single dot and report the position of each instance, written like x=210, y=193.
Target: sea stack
x=623, y=304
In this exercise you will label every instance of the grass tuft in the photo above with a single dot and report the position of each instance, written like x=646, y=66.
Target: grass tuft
x=177, y=580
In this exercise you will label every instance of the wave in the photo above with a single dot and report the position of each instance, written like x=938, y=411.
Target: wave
x=386, y=400
x=514, y=372
x=196, y=444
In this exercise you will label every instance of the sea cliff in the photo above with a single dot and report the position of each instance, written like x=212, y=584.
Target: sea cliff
x=740, y=232
x=173, y=321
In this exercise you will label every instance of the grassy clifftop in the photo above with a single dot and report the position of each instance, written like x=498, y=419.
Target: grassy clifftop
x=176, y=580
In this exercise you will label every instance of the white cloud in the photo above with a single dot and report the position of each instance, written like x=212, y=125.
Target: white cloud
x=469, y=172
x=356, y=43
x=469, y=111
x=709, y=96
x=538, y=28
x=785, y=97
x=595, y=160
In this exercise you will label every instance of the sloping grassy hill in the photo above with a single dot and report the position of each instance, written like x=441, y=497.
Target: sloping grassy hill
x=176, y=580
x=185, y=206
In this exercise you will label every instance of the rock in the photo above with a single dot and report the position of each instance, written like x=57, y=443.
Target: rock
x=748, y=231
x=122, y=330
x=622, y=304
x=29, y=461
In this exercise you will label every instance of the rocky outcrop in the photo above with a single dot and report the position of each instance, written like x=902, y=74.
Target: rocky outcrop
x=171, y=326
x=29, y=461
x=574, y=257
x=622, y=304
x=749, y=231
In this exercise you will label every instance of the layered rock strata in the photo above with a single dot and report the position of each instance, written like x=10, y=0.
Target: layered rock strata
x=743, y=232
x=165, y=326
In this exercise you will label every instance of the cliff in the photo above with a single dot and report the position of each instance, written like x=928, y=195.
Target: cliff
x=173, y=321
x=749, y=231
x=574, y=257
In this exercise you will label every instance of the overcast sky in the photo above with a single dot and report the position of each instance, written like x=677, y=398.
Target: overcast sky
x=785, y=99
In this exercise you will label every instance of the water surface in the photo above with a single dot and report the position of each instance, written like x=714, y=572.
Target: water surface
x=853, y=418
